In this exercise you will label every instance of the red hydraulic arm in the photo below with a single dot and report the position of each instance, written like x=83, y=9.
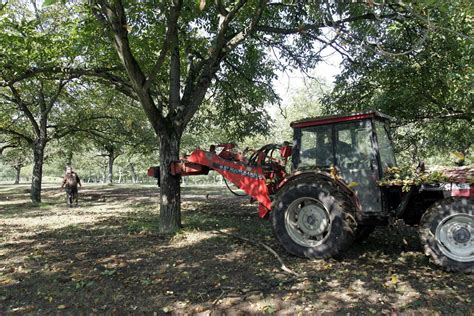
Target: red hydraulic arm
x=258, y=176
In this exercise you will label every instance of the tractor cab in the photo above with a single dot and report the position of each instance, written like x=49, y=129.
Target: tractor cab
x=357, y=145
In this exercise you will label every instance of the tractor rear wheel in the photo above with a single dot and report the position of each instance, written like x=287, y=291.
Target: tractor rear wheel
x=312, y=218
x=363, y=232
x=447, y=232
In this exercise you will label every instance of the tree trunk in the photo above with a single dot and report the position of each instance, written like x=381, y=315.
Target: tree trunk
x=38, y=156
x=110, y=174
x=134, y=174
x=69, y=158
x=104, y=174
x=120, y=175
x=17, y=176
x=170, y=195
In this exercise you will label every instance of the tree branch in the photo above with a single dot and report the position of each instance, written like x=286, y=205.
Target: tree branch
x=2, y=148
x=34, y=71
x=42, y=99
x=164, y=49
x=175, y=61
x=25, y=110
x=28, y=139
x=326, y=23
x=242, y=35
x=224, y=21
x=259, y=243
x=266, y=84
x=117, y=22
x=199, y=81
x=55, y=97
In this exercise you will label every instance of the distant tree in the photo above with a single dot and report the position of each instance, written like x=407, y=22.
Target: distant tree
x=16, y=155
x=122, y=129
x=37, y=47
x=305, y=102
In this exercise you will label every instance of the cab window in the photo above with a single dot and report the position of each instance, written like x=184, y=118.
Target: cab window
x=387, y=157
x=316, y=147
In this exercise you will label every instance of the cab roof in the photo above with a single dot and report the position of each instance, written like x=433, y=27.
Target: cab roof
x=332, y=119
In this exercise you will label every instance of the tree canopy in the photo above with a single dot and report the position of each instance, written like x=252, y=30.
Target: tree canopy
x=419, y=71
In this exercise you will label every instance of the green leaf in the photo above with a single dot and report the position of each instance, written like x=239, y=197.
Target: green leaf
x=50, y=2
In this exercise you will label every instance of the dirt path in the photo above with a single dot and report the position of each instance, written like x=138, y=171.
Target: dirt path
x=105, y=256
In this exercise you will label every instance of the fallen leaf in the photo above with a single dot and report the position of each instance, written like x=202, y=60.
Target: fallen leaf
x=61, y=306
x=167, y=309
x=353, y=184
x=5, y=281
x=394, y=279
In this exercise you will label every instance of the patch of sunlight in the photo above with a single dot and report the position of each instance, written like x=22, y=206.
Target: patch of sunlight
x=47, y=222
x=334, y=283
x=358, y=286
x=187, y=238
x=14, y=201
x=232, y=256
x=50, y=221
x=332, y=301
x=359, y=289
x=265, y=305
x=11, y=187
x=344, y=296
x=404, y=295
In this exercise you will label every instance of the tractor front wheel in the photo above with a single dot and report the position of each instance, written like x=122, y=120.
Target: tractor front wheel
x=447, y=232
x=312, y=218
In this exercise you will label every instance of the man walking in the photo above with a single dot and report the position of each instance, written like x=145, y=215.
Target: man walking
x=70, y=182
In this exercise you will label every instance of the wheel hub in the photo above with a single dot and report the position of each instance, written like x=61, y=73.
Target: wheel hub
x=307, y=222
x=454, y=235
x=313, y=220
x=461, y=235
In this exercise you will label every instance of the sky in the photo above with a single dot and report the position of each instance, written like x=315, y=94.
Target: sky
x=289, y=83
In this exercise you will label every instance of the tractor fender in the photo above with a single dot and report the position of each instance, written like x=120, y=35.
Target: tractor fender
x=326, y=177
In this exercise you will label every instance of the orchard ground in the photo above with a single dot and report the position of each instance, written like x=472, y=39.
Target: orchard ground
x=106, y=256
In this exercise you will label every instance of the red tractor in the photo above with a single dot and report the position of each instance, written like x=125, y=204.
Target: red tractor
x=332, y=197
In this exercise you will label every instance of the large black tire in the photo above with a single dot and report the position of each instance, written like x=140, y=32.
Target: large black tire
x=313, y=218
x=363, y=232
x=447, y=233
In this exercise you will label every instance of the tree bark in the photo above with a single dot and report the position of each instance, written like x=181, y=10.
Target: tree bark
x=110, y=174
x=69, y=158
x=170, y=195
x=17, y=176
x=38, y=156
x=134, y=174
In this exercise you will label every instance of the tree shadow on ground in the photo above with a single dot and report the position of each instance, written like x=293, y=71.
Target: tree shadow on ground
x=119, y=264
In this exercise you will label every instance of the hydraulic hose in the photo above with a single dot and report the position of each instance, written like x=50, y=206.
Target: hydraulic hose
x=232, y=191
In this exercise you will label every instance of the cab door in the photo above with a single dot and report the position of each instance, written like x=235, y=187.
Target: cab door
x=355, y=156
